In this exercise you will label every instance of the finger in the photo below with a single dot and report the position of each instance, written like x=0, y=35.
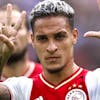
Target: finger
x=9, y=31
x=98, y=2
x=5, y=40
x=4, y=30
x=0, y=28
x=20, y=20
x=9, y=11
x=0, y=25
x=92, y=34
x=0, y=31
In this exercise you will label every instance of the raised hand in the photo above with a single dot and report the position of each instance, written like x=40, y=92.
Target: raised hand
x=8, y=34
x=92, y=34
x=7, y=31
x=98, y=2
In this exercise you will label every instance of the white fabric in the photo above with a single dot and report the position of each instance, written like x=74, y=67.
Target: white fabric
x=93, y=84
x=20, y=88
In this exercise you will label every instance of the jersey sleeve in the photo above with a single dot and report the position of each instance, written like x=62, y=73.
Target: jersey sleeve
x=93, y=84
x=20, y=88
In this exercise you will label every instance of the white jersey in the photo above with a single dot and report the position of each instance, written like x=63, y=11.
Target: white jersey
x=22, y=88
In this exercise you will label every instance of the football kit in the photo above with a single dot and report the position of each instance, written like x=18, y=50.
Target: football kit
x=81, y=85
x=34, y=69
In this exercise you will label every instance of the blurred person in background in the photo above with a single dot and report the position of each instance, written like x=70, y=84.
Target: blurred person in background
x=18, y=64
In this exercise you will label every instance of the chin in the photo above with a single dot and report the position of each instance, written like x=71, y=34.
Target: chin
x=16, y=57
x=56, y=70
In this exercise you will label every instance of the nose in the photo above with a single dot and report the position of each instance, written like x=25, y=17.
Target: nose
x=51, y=47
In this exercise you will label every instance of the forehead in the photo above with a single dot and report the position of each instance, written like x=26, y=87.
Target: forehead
x=51, y=24
x=15, y=15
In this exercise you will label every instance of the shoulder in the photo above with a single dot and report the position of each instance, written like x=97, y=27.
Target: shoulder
x=17, y=78
x=93, y=83
x=37, y=70
x=94, y=74
x=93, y=78
x=18, y=81
x=18, y=85
x=38, y=65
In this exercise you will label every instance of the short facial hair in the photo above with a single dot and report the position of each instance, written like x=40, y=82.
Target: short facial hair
x=16, y=57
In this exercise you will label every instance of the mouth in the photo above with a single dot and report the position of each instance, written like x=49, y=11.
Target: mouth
x=52, y=58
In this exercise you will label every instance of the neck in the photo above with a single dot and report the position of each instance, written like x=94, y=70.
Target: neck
x=16, y=69
x=62, y=75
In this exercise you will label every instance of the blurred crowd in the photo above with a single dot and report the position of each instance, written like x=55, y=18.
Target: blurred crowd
x=87, y=18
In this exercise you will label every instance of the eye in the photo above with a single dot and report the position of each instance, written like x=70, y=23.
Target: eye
x=12, y=25
x=41, y=38
x=3, y=24
x=60, y=35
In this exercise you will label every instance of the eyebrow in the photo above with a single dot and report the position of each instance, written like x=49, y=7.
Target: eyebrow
x=60, y=31
x=63, y=32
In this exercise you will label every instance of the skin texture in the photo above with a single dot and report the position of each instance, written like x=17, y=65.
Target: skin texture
x=22, y=32
x=57, y=40
x=4, y=93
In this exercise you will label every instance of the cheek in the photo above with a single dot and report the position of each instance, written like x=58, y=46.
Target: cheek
x=39, y=49
x=23, y=40
x=67, y=45
x=22, y=36
x=67, y=48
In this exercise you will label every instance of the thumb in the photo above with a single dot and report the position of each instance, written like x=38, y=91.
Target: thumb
x=92, y=34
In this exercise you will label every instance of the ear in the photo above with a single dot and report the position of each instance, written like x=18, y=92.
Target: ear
x=32, y=39
x=75, y=35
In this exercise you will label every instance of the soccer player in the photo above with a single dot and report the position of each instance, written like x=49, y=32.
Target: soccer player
x=18, y=63
x=54, y=37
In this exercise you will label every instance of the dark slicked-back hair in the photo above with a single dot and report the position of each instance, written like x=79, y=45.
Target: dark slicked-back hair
x=52, y=8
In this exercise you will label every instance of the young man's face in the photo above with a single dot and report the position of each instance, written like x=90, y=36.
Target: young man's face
x=53, y=40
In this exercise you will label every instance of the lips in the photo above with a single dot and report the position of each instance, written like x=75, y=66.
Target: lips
x=52, y=58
